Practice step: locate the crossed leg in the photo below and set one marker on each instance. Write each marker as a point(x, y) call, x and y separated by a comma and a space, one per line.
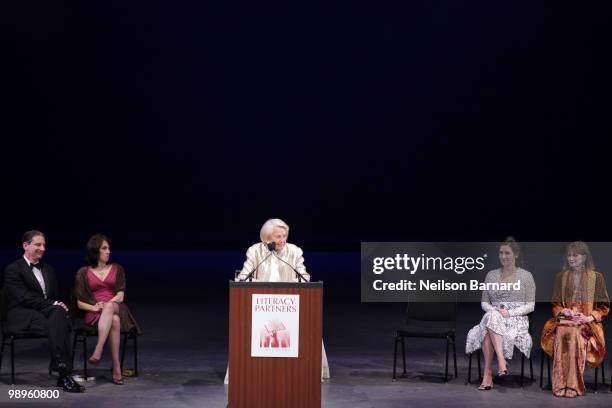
point(487, 351)
point(108, 328)
point(496, 342)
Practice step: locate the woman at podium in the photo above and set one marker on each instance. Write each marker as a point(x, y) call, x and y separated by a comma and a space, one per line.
point(275, 260)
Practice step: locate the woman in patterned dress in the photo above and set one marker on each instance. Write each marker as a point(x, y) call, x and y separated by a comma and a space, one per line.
point(574, 336)
point(505, 324)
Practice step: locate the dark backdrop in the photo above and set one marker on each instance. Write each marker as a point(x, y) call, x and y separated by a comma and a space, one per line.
point(186, 124)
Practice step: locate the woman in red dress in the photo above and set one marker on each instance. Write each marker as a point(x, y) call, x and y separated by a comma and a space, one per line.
point(100, 288)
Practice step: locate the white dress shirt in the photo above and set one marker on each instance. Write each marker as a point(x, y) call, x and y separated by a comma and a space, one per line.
point(274, 271)
point(38, 275)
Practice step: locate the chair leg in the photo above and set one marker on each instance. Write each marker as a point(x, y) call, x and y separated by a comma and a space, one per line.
point(404, 356)
point(541, 369)
point(135, 354)
point(123, 347)
point(396, 340)
point(603, 375)
point(548, 367)
point(531, 368)
point(446, 362)
point(74, 345)
point(469, 377)
point(596, 377)
point(479, 370)
point(12, 361)
point(2, 352)
point(455, 357)
point(522, 368)
point(85, 356)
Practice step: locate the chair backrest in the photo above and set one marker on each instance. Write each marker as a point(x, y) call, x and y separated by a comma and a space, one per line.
point(432, 305)
point(432, 312)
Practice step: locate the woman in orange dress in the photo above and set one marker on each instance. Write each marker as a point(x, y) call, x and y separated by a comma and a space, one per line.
point(574, 335)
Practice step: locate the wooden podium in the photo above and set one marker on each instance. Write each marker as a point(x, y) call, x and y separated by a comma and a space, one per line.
point(275, 382)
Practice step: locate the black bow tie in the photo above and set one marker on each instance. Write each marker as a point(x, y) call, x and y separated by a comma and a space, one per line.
point(38, 266)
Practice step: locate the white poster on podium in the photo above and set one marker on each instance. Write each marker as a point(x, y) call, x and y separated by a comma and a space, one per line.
point(275, 327)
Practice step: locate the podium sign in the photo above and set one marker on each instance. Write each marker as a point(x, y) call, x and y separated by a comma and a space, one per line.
point(275, 331)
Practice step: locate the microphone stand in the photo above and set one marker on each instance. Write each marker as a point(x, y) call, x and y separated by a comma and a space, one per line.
point(250, 275)
point(299, 275)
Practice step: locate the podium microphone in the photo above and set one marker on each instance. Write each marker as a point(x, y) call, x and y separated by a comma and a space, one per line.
point(271, 247)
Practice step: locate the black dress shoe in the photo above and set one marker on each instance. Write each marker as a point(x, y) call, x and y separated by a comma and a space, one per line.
point(76, 384)
point(69, 385)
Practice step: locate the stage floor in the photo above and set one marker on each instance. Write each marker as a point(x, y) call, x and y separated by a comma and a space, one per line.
point(183, 352)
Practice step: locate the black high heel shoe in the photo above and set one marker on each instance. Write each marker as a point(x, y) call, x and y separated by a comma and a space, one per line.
point(116, 381)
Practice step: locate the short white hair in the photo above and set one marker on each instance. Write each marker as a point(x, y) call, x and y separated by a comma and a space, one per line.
point(266, 229)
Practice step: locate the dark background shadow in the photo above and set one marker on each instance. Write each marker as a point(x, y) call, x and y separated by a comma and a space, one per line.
point(173, 126)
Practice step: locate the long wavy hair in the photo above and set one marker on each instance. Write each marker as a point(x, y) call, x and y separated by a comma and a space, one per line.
point(579, 247)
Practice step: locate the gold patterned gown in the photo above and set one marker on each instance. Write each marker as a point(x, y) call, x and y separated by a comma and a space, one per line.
point(572, 346)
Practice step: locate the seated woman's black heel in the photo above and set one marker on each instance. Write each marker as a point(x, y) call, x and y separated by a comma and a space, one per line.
point(116, 381)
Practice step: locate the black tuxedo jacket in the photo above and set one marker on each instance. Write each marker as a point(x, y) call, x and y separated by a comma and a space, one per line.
point(23, 296)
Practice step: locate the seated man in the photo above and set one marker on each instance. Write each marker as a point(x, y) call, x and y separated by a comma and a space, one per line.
point(31, 294)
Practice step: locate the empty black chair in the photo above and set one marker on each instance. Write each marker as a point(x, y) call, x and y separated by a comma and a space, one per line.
point(9, 337)
point(428, 320)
